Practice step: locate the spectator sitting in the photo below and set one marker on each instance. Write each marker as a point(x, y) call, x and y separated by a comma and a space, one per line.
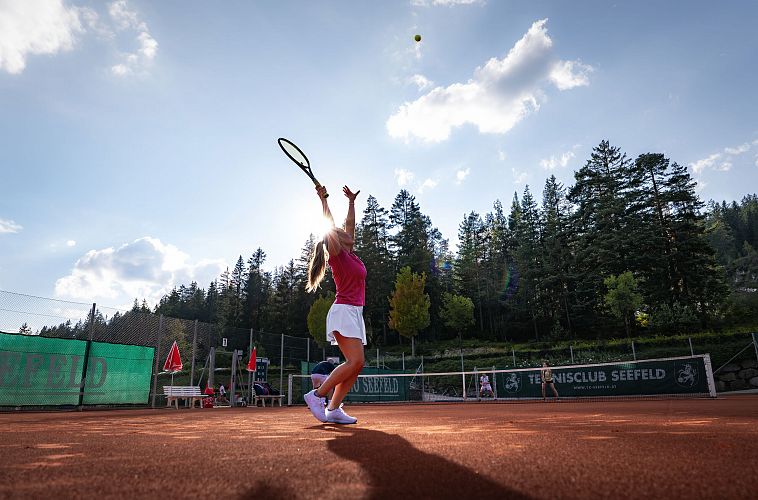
point(320, 373)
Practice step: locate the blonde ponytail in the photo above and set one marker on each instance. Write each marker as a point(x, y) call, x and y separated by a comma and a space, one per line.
point(317, 266)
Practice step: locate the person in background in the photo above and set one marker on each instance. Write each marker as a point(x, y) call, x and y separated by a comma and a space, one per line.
point(547, 378)
point(485, 387)
point(320, 373)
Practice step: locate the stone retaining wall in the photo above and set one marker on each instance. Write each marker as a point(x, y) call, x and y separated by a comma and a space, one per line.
point(738, 376)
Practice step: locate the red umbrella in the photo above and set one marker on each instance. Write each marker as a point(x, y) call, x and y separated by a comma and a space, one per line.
point(173, 361)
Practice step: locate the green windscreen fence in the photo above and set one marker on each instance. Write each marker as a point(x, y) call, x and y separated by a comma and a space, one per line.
point(118, 374)
point(40, 371)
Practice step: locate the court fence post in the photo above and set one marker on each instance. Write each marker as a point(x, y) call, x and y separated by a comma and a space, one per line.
point(494, 383)
point(403, 360)
point(692, 351)
point(157, 356)
point(476, 383)
point(281, 366)
point(513, 353)
point(755, 344)
point(571, 348)
point(377, 358)
point(85, 362)
point(308, 350)
point(194, 348)
point(634, 352)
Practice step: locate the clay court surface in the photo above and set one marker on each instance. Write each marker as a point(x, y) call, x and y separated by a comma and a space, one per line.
point(683, 448)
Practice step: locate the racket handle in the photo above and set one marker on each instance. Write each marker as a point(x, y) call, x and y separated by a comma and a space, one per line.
point(326, 195)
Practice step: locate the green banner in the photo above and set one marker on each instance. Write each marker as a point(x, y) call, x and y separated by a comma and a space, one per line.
point(41, 371)
point(368, 388)
point(640, 378)
point(118, 374)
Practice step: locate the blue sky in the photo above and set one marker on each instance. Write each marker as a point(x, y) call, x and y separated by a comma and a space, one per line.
point(138, 139)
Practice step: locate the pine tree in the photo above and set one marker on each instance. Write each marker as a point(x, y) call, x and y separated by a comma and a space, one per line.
point(372, 245)
point(556, 253)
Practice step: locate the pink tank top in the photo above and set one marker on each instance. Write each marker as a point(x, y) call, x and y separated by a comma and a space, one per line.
point(349, 278)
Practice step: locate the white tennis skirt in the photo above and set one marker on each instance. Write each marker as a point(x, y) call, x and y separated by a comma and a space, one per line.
point(347, 320)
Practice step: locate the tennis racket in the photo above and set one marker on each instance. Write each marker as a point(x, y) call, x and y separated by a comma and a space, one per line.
point(295, 154)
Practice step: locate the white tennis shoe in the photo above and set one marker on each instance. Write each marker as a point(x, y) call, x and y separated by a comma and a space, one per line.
point(338, 416)
point(316, 405)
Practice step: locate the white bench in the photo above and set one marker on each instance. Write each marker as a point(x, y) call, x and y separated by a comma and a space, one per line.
point(263, 399)
point(175, 393)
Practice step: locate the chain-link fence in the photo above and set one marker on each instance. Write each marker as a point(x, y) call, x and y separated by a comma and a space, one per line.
point(216, 355)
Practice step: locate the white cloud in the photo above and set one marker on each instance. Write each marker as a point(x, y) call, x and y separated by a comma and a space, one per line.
point(700, 185)
point(461, 175)
point(501, 155)
point(557, 161)
point(519, 177)
point(569, 74)
point(71, 243)
point(427, 184)
point(700, 165)
point(144, 268)
point(31, 27)
point(498, 96)
point(34, 27)
point(126, 19)
point(403, 177)
point(421, 82)
point(724, 167)
point(742, 148)
point(756, 160)
point(9, 226)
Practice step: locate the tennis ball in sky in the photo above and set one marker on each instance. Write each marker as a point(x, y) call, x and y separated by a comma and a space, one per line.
point(417, 38)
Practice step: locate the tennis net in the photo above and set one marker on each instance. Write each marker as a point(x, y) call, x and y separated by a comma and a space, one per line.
point(689, 376)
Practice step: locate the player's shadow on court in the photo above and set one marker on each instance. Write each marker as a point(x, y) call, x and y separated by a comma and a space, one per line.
point(396, 469)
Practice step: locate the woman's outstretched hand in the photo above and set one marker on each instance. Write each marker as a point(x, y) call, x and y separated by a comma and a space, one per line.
point(350, 195)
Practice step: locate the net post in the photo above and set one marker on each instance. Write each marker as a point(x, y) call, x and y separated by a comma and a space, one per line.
point(476, 385)
point(289, 389)
point(422, 377)
point(709, 375)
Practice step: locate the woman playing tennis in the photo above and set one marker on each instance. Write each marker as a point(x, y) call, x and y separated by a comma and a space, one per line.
point(344, 322)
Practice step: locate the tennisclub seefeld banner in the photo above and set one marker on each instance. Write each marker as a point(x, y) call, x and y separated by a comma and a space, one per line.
point(651, 377)
point(367, 388)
